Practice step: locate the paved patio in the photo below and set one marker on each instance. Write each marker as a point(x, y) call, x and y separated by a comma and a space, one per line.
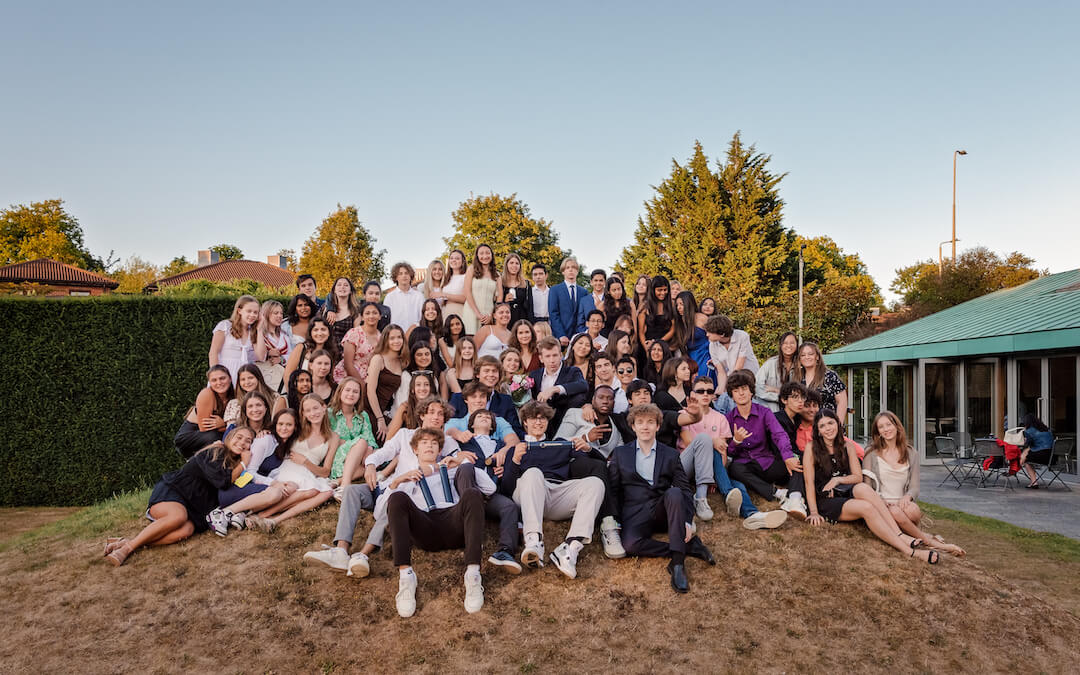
point(1045, 510)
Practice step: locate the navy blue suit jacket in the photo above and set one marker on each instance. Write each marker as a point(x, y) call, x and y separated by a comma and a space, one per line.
point(634, 498)
point(563, 311)
point(584, 306)
point(577, 392)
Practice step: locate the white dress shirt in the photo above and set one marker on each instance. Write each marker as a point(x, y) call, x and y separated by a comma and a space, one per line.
point(406, 308)
point(540, 302)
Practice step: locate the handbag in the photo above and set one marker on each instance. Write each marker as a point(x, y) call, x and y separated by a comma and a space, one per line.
point(1015, 436)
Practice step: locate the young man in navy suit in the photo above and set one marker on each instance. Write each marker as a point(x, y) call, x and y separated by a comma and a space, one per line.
point(560, 386)
point(652, 494)
point(591, 301)
point(563, 302)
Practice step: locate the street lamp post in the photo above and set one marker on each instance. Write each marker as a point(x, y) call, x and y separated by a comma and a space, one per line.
point(954, 155)
point(940, 263)
point(801, 249)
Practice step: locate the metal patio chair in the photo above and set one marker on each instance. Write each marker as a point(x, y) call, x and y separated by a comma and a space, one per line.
point(951, 460)
point(1058, 462)
point(988, 448)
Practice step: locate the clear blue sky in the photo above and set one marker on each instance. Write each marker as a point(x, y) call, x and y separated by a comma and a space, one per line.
point(170, 129)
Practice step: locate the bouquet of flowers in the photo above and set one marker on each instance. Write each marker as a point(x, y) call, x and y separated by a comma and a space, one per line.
point(520, 389)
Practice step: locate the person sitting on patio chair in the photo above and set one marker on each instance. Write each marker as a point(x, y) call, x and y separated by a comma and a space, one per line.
point(1038, 448)
point(892, 468)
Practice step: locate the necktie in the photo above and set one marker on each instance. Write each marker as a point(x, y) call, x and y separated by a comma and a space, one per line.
point(573, 295)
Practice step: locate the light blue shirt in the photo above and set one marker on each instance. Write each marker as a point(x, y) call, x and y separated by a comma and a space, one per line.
point(502, 427)
point(645, 464)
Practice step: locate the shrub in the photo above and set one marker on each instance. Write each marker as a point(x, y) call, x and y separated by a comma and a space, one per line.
point(94, 390)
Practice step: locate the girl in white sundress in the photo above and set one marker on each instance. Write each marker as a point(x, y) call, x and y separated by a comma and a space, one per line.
point(232, 343)
point(307, 465)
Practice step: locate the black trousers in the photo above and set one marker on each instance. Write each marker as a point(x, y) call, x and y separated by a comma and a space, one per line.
point(189, 439)
point(497, 507)
point(757, 479)
point(668, 512)
point(461, 525)
point(584, 464)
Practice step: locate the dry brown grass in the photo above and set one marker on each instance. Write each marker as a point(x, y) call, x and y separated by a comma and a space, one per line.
point(792, 600)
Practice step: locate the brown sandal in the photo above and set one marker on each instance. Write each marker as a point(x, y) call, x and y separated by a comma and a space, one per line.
point(952, 549)
point(113, 543)
point(118, 555)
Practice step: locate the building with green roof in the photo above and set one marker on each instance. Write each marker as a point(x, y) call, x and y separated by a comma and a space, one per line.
point(972, 370)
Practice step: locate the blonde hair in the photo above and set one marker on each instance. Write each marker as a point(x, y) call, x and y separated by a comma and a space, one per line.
point(458, 360)
point(429, 284)
point(541, 329)
point(264, 317)
point(238, 328)
point(566, 261)
point(305, 425)
point(819, 369)
point(878, 443)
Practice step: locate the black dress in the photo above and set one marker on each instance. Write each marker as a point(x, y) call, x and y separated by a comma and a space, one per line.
point(195, 485)
point(829, 507)
point(657, 325)
point(517, 304)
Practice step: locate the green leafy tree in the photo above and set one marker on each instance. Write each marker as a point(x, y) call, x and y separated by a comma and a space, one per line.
point(976, 272)
point(719, 232)
point(227, 252)
point(342, 247)
point(177, 265)
point(135, 274)
point(507, 225)
point(44, 230)
point(204, 288)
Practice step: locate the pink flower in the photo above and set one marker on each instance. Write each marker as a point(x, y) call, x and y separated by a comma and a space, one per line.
point(514, 386)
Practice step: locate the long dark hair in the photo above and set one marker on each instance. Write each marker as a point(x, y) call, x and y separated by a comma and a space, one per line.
point(571, 358)
point(450, 338)
point(612, 307)
point(685, 322)
point(649, 372)
point(253, 370)
point(244, 421)
point(435, 326)
point(1032, 420)
point(613, 344)
point(435, 366)
point(478, 267)
point(654, 307)
point(309, 342)
point(220, 402)
point(786, 374)
point(823, 459)
point(294, 397)
point(284, 445)
point(293, 315)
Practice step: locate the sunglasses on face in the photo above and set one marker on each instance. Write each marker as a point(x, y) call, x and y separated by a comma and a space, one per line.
point(704, 391)
point(624, 371)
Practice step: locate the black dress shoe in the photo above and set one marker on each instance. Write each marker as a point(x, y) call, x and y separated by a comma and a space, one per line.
point(697, 549)
point(678, 577)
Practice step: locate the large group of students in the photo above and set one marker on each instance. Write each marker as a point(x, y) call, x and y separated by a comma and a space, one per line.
point(483, 395)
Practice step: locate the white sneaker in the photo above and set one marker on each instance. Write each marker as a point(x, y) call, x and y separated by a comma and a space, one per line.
point(331, 556)
point(358, 566)
point(780, 495)
point(236, 520)
point(564, 560)
point(701, 506)
point(733, 501)
point(609, 537)
point(218, 522)
point(533, 554)
point(794, 507)
point(339, 492)
point(765, 520)
point(406, 596)
point(474, 593)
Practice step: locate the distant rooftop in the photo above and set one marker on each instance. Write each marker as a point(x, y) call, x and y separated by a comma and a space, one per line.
point(49, 271)
point(231, 270)
point(1042, 314)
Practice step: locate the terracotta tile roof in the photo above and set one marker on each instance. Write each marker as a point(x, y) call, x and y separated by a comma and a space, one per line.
point(48, 271)
point(230, 270)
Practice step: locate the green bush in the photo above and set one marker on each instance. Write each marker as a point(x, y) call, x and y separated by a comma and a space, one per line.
point(94, 389)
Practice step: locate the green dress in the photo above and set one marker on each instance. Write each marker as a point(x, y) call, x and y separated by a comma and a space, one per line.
point(361, 428)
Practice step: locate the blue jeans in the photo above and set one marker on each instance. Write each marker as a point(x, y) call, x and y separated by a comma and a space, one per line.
point(725, 485)
point(723, 403)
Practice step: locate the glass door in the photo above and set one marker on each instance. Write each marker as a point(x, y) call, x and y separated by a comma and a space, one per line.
point(900, 395)
point(1029, 390)
point(942, 399)
point(1061, 411)
point(979, 376)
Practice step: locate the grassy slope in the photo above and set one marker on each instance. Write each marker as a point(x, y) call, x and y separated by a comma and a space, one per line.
point(795, 599)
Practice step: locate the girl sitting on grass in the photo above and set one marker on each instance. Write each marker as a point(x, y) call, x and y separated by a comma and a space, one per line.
point(308, 465)
point(835, 491)
point(895, 467)
point(205, 421)
point(352, 425)
point(182, 499)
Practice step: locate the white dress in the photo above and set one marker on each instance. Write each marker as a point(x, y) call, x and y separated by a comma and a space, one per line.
point(234, 352)
point(291, 472)
point(455, 286)
point(491, 346)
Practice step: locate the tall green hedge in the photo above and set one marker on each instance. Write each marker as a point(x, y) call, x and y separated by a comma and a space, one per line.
point(92, 391)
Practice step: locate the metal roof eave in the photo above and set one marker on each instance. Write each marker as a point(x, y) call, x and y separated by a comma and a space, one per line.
point(988, 346)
